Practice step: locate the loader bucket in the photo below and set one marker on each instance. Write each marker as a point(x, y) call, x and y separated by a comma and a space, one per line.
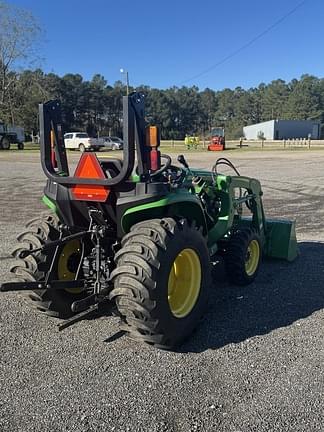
point(281, 239)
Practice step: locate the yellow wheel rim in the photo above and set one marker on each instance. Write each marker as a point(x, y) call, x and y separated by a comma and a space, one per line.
point(68, 262)
point(184, 283)
point(252, 257)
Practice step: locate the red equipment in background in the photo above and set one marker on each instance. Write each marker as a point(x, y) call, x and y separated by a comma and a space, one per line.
point(217, 139)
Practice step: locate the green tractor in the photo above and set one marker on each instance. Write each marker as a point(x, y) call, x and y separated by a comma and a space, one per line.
point(139, 234)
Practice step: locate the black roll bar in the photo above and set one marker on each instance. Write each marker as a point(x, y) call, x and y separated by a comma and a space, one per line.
point(50, 121)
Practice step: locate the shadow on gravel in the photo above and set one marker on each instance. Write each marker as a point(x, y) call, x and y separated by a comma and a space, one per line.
point(282, 294)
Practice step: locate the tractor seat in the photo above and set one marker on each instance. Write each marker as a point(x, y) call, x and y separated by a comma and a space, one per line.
point(111, 167)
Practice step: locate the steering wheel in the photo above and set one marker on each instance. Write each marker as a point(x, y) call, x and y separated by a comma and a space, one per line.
point(164, 167)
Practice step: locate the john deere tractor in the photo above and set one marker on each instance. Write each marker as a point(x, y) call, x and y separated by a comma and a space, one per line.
point(140, 234)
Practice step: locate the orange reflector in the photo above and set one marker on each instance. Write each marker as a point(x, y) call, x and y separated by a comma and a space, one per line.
point(152, 136)
point(89, 167)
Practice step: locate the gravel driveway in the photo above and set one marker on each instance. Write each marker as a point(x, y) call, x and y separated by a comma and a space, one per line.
point(256, 362)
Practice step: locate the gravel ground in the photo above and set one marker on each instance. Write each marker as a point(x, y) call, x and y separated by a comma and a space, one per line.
point(254, 364)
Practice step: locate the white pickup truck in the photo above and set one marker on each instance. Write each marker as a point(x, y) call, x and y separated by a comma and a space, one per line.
point(81, 141)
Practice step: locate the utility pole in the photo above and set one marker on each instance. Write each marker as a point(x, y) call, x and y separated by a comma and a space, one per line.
point(127, 80)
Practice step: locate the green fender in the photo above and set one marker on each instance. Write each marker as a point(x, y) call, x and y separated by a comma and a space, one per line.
point(177, 204)
point(49, 203)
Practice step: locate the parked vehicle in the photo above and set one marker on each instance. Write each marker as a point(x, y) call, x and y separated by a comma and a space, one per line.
point(81, 141)
point(113, 143)
point(10, 134)
point(217, 139)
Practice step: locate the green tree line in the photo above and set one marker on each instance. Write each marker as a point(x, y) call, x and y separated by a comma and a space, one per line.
point(96, 106)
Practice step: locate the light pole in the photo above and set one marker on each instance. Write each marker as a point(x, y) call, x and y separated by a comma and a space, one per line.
point(124, 72)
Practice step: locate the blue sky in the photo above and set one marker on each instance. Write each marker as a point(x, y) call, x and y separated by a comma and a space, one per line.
point(165, 43)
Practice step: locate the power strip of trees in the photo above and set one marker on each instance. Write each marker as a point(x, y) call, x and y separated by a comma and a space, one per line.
point(96, 107)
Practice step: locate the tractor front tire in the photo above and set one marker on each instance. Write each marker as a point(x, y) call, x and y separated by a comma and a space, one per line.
point(243, 256)
point(56, 303)
point(5, 143)
point(161, 281)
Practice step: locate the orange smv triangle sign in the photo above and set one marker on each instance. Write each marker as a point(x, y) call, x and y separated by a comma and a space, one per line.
point(89, 167)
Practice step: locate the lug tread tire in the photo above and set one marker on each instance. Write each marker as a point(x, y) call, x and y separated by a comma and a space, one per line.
point(235, 256)
point(34, 267)
point(136, 281)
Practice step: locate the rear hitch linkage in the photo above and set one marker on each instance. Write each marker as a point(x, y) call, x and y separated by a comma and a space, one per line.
point(87, 305)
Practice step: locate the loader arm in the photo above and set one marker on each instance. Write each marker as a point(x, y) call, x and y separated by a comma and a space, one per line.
point(226, 186)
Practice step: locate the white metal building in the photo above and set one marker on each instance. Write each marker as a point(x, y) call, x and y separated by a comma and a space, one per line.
point(283, 129)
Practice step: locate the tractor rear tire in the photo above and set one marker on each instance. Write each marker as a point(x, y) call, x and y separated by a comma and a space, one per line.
point(33, 268)
point(243, 256)
point(161, 281)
